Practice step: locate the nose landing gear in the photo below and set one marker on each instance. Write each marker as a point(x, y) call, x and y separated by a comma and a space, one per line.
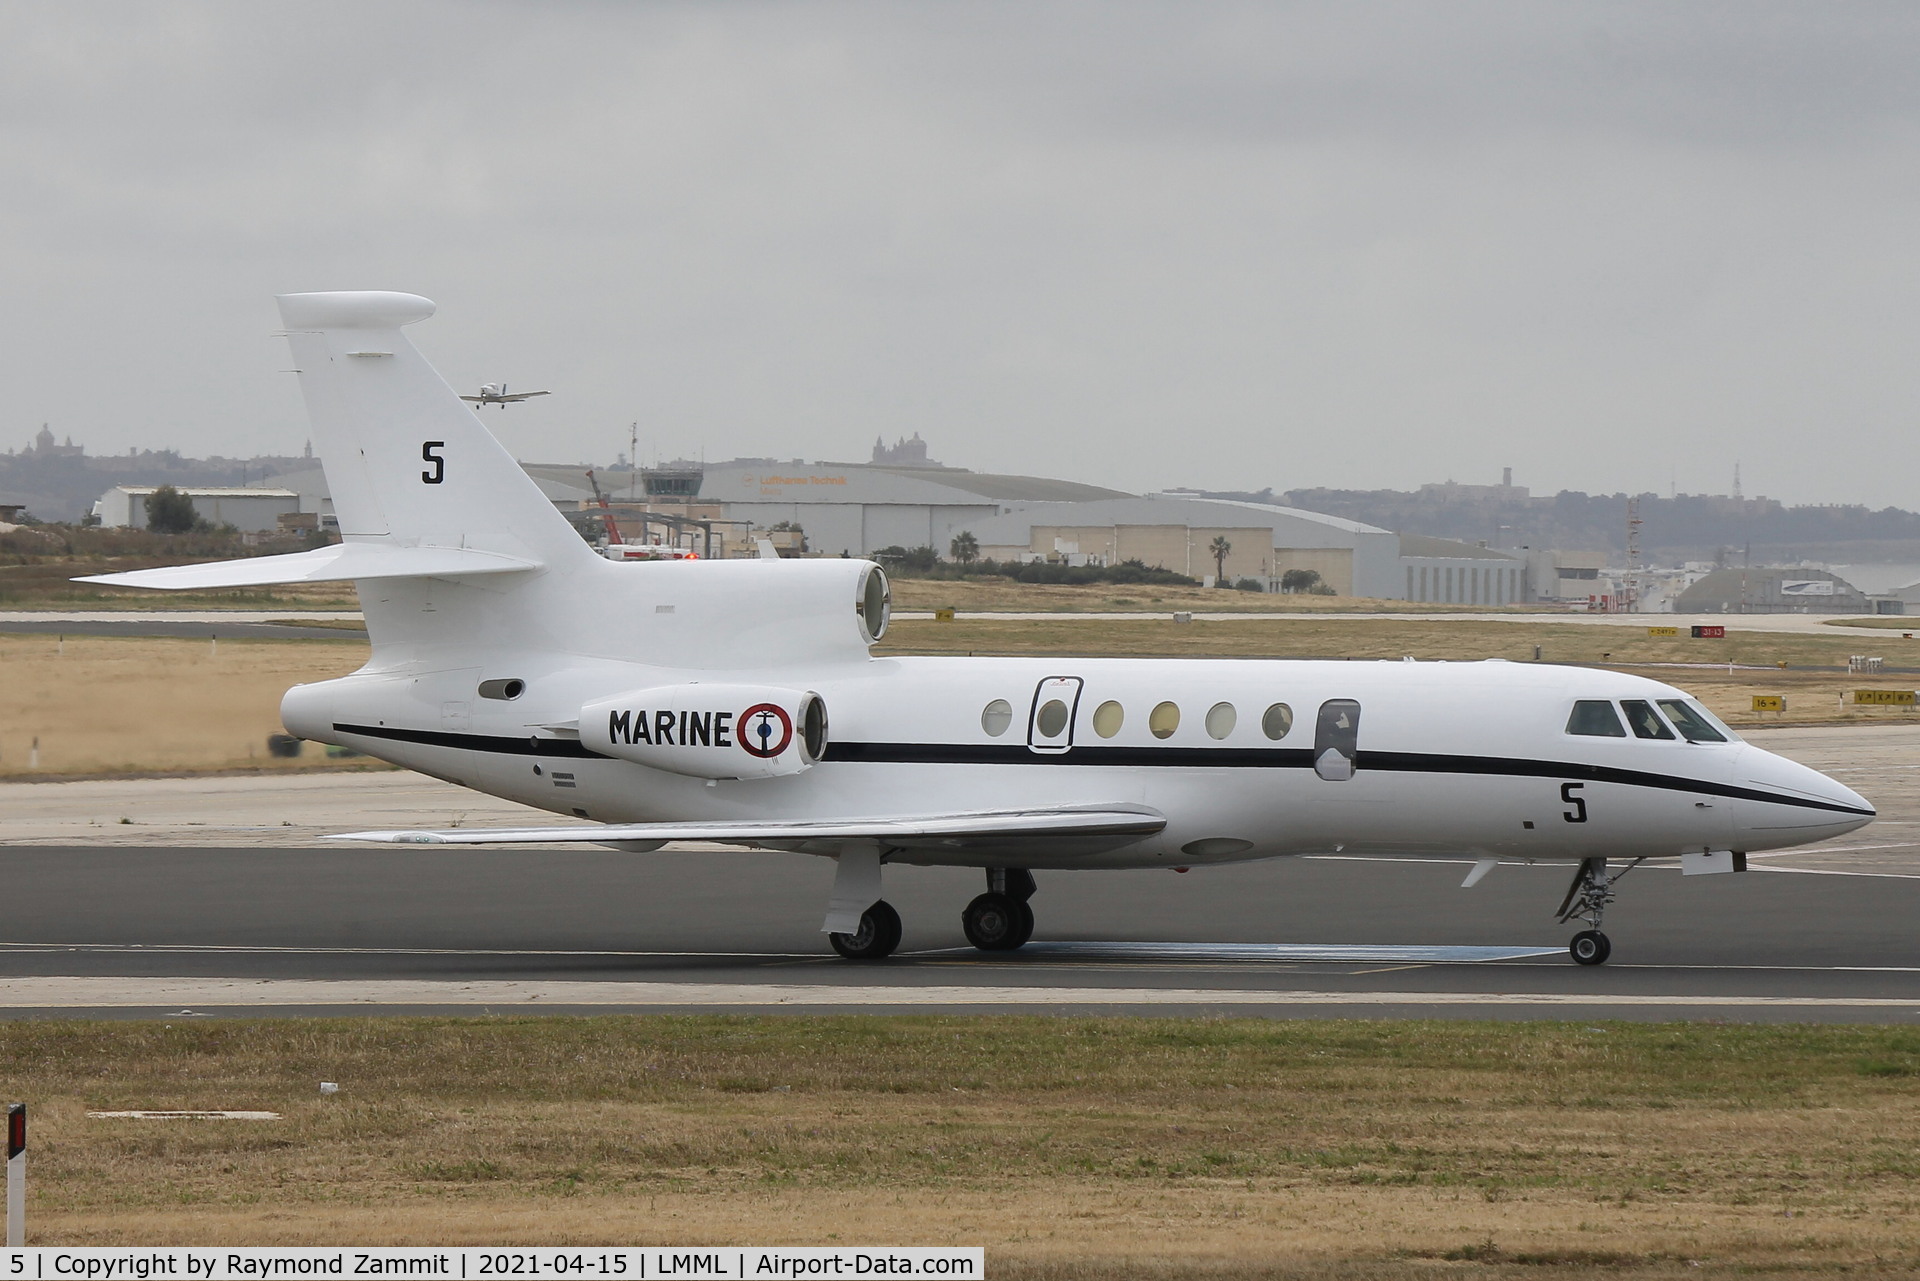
point(1587, 900)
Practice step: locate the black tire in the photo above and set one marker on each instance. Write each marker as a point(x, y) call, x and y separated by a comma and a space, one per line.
point(1026, 926)
point(1590, 947)
point(997, 923)
point(877, 937)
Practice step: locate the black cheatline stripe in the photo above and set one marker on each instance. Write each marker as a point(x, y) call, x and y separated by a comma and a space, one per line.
point(1301, 758)
point(1187, 757)
point(571, 748)
point(1020, 754)
point(1420, 763)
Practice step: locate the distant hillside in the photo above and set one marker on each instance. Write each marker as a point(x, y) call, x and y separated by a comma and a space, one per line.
point(1698, 527)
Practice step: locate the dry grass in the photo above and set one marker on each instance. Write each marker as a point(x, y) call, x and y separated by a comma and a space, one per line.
point(1892, 624)
point(1069, 1147)
point(101, 704)
point(1815, 682)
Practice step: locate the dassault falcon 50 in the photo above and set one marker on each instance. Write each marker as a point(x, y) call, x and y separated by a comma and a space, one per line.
point(739, 701)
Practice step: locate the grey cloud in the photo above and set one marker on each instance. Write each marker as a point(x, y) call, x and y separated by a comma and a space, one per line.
point(1140, 244)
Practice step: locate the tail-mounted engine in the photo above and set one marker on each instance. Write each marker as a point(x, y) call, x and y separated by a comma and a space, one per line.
point(710, 731)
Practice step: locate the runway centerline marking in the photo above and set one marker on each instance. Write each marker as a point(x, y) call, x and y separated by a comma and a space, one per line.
point(252, 949)
point(1340, 953)
point(1834, 871)
point(1070, 951)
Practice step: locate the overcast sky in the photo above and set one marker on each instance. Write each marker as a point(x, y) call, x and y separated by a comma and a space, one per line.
point(1613, 246)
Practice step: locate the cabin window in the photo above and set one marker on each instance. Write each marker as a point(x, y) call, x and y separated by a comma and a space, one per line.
point(1645, 721)
point(1278, 720)
point(1220, 719)
point(1164, 719)
point(1595, 718)
point(996, 717)
point(1052, 718)
point(1107, 719)
point(1691, 721)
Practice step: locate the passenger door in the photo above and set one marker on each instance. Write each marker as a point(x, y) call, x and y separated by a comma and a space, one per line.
point(1336, 739)
point(1056, 704)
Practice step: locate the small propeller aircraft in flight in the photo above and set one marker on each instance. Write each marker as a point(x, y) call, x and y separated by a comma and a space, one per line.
point(689, 700)
point(497, 394)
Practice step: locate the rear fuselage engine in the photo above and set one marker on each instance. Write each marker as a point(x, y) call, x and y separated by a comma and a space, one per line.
point(710, 730)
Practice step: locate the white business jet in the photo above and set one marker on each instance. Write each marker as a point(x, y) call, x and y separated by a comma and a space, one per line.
point(738, 701)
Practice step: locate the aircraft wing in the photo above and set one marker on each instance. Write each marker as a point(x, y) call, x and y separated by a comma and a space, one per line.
point(1080, 830)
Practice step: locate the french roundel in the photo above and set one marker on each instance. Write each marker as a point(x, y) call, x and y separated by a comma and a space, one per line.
point(764, 730)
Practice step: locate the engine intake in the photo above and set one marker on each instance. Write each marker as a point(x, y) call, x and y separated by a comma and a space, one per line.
point(711, 731)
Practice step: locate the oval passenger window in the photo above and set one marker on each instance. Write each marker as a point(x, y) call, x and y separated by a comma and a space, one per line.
point(996, 717)
point(1220, 719)
point(1277, 721)
point(1164, 719)
point(1108, 718)
point(1052, 721)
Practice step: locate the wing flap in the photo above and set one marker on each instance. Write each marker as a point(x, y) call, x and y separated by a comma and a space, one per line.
point(343, 562)
point(1094, 828)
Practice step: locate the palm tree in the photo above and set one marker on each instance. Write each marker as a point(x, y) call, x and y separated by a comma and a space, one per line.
point(965, 548)
point(1220, 547)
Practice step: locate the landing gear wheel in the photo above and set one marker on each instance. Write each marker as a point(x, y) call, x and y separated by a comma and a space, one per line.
point(1590, 947)
point(997, 922)
point(878, 935)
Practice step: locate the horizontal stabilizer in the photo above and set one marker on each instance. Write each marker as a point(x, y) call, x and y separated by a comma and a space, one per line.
point(1085, 830)
point(343, 562)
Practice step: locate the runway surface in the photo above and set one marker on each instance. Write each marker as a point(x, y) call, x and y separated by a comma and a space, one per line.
point(166, 931)
point(187, 911)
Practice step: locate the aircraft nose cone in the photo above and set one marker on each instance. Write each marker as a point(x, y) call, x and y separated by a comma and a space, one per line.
point(1783, 803)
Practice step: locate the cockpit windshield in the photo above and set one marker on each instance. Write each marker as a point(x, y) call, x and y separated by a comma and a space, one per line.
point(1595, 718)
point(1695, 721)
point(1645, 721)
point(1601, 718)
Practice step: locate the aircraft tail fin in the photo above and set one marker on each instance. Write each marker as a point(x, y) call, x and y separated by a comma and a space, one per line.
point(408, 464)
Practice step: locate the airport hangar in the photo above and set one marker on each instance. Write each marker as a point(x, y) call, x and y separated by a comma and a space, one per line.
point(862, 508)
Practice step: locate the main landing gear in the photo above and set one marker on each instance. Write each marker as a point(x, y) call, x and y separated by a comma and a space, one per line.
point(1000, 920)
point(1587, 900)
point(878, 935)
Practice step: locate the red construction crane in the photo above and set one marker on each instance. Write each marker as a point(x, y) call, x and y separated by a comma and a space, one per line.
point(606, 512)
